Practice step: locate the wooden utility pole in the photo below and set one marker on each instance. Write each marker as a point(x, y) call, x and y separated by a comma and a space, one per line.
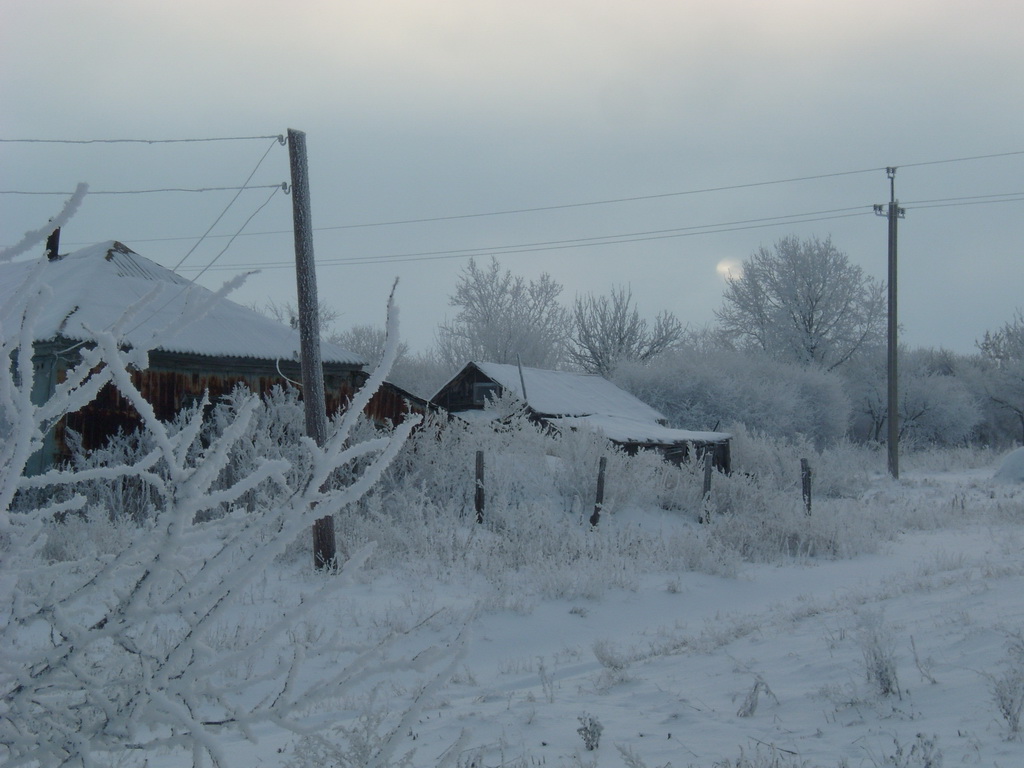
point(893, 212)
point(314, 402)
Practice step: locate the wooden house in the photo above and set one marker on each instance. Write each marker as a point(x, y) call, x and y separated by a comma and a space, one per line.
point(565, 400)
point(225, 346)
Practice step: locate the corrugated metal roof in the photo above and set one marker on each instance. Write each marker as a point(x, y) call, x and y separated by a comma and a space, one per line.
point(94, 286)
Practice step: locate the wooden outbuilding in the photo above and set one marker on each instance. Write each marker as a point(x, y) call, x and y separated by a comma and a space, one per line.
point(565, 400)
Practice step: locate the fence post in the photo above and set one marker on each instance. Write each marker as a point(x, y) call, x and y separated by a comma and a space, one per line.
point(805, 483)
point(705, 497)
point(479, 499)
point(599, 502)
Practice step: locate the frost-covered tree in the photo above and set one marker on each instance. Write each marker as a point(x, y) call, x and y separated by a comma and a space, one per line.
point(705, 389)
point(502, 316)
point(420, 373)
point(608, 330)
point(803, 301)
point(367, 341)
point(110, 653)
point(936, 403)
point(1002, 358)
point(1007, 343)
point(287, 313)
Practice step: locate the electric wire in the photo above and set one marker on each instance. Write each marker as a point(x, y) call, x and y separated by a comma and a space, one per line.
point(576, 242)
point(278, 137)
point(228, 206)
point(237, 233)
point(915, 204)
point(141, 191)
point(960, 159)
point(561, 206)
point(642, 236)
point(637, 198)
point(560, 244)
point(202, 271)
point(990, 197)
point(964, 203)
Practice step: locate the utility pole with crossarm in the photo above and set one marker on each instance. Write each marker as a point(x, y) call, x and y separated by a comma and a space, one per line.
point(893, 212)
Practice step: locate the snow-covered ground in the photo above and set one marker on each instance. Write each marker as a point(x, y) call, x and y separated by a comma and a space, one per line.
point(893, 658)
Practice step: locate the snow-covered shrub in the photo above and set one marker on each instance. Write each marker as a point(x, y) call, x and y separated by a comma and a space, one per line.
point(923, 753)
point(590, 731)
point(119, 646)
point(708, 389)
point(763, 525)
point(936, 405)
point(878, 645)
point(1008, 687)
point(535, 538)
point(840, 470)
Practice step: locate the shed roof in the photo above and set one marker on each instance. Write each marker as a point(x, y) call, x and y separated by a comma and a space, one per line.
point(563, 393)
point(583, 400)
point(93, 286)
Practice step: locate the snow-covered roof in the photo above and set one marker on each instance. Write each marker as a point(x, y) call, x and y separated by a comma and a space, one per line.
point(92, 288)
point(583, 400)
point(563, 393)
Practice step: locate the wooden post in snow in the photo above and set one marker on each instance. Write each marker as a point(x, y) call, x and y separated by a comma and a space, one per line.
point(314, 402)
point(599, 501)
point(805, 483)
point(705, 497)
point(478, 499)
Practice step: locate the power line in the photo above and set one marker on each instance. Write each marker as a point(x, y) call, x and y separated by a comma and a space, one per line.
point(632, 237)
point(990, 197)
point(637, 198)
point(611, 201)
point(279, 137)
point(523, 210)
point(146, 191)
point(213, 261)
point(237, 233)
point(920, 204)
point(583, 242)
point(960, 159)
point(965, 203)
point(228, 206)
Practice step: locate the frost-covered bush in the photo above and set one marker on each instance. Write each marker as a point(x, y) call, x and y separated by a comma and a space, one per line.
point(1008, 687)
point(525, 464)
point(937, 404)
point(840, 470)
point(274, 430)
point(878, 644)
point(705, 389)
point(134, 637)
point(540, 491)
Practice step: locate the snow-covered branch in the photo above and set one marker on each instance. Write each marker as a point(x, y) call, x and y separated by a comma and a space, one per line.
point(137, 647)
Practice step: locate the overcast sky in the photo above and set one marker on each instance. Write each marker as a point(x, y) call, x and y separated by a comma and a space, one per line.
point(441, 109)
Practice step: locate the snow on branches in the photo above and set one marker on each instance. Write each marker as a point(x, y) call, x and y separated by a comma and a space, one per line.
point(138, 647)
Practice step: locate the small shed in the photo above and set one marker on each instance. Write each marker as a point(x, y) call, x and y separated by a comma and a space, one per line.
point(228, 345)
point(566, 400)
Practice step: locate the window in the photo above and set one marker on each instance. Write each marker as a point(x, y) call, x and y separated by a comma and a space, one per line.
point(482, 390)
